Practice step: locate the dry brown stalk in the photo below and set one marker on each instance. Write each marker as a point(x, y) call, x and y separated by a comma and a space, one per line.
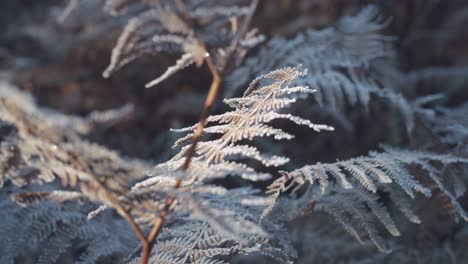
point(217, 76)
point(209, 101)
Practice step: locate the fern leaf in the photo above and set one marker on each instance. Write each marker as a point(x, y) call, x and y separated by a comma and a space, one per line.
point(252, 112)
point(161, 27)
point(185, 61)
point(339, 58)
point(25, 199)
point(352, 198)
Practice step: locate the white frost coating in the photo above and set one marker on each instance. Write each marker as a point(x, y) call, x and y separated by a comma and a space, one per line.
point(185, 61)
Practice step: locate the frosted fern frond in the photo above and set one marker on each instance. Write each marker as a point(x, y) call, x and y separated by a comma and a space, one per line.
point(34, 149)
point(263, 99)
point(232, 213)
point(451, 126)
point(38, 146)
point(351, 45)
point(274, 191)
point(216, 158)
point(163, 26)
point(322, 242)
point(338, 58)
point(348, 190)
point(29, 198)
point(359, 213)
point(185, 61)
point(136, 38)
point(193, 241)
point(50, 232)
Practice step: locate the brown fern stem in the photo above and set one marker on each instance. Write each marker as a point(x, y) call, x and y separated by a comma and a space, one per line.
point(114, 201)
point(209, 101)
point(216, 82)
point(146, 246)
point(128, 217)
point(131, 221)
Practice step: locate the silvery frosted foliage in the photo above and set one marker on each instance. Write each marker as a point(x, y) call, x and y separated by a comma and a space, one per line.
point(228, 218)
point(193, 241)
point(209, 224)
point(167, 26)
point(232, 213)
point(351, 45)
point(440, 82)
point(39, 145)
point(51, 150)
point(338, 58)
point(55, 233)
point(451, 125)
point(36, 146)
point(205, 218)
point(262, 103)
point(229, 211)
point(348, 190)
point(321, 241)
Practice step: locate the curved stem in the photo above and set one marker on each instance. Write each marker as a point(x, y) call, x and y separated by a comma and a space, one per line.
point(209, 102)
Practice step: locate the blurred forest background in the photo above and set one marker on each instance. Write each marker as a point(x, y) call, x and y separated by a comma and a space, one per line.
point(61, 64)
